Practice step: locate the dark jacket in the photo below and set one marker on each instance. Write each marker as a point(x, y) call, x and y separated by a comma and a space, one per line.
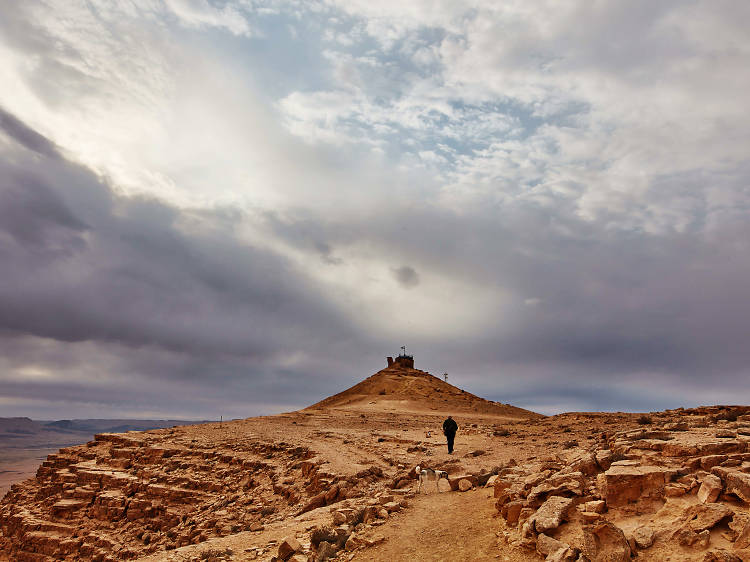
point(450, 426)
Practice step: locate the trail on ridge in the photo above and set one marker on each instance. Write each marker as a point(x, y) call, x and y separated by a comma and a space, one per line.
point(448, 527)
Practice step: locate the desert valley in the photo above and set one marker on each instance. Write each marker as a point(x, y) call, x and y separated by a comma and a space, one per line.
point(336, 481)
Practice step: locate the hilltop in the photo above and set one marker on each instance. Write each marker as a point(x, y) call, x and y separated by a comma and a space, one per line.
point(402, 388)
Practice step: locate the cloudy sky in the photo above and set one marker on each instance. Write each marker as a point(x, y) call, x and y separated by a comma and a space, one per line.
point(235, 208)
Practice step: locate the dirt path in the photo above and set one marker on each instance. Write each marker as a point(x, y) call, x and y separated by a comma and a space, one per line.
point(449, 527)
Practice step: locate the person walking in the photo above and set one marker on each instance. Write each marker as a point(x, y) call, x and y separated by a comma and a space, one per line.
point(450, 427)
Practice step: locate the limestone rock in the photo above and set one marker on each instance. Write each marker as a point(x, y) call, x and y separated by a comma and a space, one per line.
point(736, 482)
point(710, 489)
point(643, 537)
point(511, 511)
point(626, 484)
point(500, 486)
point(595, 506)
point(547, 545)
point(566, 554)
point(353, 542)
point(702, 517)
point(456, 480)
point(551, 514)
point(558, 485)
point(604, 458)
point(590, 517)
point(443, 485)
point(288, 547)
point(605, 542)
point(464, 485)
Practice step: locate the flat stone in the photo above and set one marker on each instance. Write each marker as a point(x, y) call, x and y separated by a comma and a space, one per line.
point(288, 547)
point(551, 514)
point(624, 484)
point(464, 485)
point(547, 545)
point(710, 489)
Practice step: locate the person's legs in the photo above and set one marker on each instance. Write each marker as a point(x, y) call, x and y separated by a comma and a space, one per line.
point(450, 437)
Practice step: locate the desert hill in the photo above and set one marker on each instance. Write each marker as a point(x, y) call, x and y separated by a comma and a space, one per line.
point(337, 481)
point(402, 388)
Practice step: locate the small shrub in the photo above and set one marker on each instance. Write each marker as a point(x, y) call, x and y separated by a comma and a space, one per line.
point(645, 420)
point(501, 432)
point(215, 554)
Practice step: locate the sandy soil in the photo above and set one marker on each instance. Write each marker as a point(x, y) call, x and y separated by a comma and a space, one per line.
point(453, 527)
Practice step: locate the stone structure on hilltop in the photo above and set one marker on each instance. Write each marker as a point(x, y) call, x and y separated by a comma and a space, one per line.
point(405, 361)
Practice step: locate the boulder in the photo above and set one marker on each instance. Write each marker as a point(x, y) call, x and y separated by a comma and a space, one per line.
point(288, 547)
point(585, 463)
point(570, 484)
point(735, 482)
point(643, 537)
point(443, 485)
point(550, 515)
point(511, 511)
point(500, 486)
point(464, 485)
point(623, 484)
point(547, 545)
point(353, 542)
point(604, 458)
point(702, 517)
point(590, 516)
point(392, 506)
point(566, 554)
point(604, 542)
point(595, 506)
point(710, 489)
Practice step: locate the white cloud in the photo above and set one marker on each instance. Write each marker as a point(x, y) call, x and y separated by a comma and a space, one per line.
point(200, 13)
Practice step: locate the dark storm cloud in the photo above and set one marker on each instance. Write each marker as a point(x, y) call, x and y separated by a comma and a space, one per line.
point(169, 294)
point(589, 306)
point(122, 297)
point(406, 276)
point(26, 136)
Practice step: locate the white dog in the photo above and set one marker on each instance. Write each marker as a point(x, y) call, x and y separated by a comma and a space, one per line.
point(426, 474)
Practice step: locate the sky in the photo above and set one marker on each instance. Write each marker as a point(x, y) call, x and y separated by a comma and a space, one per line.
point(213, 208)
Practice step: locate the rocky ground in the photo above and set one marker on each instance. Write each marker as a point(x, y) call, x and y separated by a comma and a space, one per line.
point(337, 482)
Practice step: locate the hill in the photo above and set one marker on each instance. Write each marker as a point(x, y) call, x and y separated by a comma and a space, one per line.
point(402, 388)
